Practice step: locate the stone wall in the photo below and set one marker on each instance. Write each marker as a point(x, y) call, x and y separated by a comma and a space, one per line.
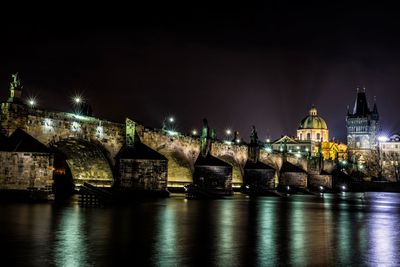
point(143, 174)
point(213, 177)
point(181, 152)
point(235, 155)
point(316, 180)
point(259, 179)
point(297, 179)
point(49, 127)
point(26, 170)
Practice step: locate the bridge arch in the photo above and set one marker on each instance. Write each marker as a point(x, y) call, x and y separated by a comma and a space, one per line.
point(82, 161)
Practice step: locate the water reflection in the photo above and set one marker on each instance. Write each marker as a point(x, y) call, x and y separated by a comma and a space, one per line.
point(166, 241)
point(383, 236)
point(266, 227)
point(71, 248)
point(264, 231)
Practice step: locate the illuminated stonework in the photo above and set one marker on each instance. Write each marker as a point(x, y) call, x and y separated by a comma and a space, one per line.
point(75, 127)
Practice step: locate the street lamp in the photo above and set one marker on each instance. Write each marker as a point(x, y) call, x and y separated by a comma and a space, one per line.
point(228, 133)
point(32, 102)
point(168, 128)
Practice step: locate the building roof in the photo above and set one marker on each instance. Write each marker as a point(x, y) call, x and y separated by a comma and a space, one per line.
point(257, 165)
point(313, 121)
point(20, 141)
point(285, 139)
point(361, 107)
point(139, 151)
point(289, 167)
point(210, 160)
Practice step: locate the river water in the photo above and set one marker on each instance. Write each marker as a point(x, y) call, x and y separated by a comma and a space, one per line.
point(353, 230)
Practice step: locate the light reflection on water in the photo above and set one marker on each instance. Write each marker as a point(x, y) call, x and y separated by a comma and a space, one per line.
point(70, 242)
point(298, 231)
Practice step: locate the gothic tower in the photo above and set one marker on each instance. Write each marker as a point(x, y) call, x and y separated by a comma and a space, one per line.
point(362, 127)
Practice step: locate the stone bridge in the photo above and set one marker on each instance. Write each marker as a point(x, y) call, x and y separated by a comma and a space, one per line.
point(90, 144)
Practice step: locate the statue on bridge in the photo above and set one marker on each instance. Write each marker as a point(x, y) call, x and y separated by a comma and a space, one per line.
point(205, 139)
point(16, 82)
point(253, 135)
point(253, 148)
point(15, 89)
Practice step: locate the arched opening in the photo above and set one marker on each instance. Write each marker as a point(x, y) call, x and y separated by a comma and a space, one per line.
point(78, 161)
point(63, 186)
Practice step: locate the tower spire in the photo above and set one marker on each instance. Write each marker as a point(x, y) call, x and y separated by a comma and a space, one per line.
point(375, 109)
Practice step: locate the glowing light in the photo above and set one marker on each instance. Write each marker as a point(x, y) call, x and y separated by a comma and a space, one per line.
point(298, 155)
point(228, 131)
point(171, 119)
point(227, 142)
point(287, 188)
point(77, 100)
point(297, 147)
point(383, 138)
point(238, 141)
point(321, 188)
point(307, 149)
point(268, 149)
point(32, 102)
point(75, 127)
point(80, 117)
point(194, 132)
point(290, 151)
point(344, 187)
point(268, 140)
point(48, 123)
point(99, 132)
point(172, 133)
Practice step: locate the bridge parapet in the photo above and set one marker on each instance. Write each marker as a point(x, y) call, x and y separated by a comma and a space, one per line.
point(52, 126)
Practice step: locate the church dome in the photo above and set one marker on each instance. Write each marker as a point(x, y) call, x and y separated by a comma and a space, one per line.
point(313, 121)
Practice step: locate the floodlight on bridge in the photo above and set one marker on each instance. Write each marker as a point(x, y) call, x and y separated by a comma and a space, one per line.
point(32, 102)
point(383, 138)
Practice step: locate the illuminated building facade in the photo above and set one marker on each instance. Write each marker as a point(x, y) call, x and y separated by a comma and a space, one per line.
point(389, 153)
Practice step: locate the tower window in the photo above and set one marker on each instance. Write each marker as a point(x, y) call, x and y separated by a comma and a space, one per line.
point(308, 136)
point(318, 136)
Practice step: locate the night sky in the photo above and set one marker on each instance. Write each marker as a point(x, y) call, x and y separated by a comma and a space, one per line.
point(236, 65)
